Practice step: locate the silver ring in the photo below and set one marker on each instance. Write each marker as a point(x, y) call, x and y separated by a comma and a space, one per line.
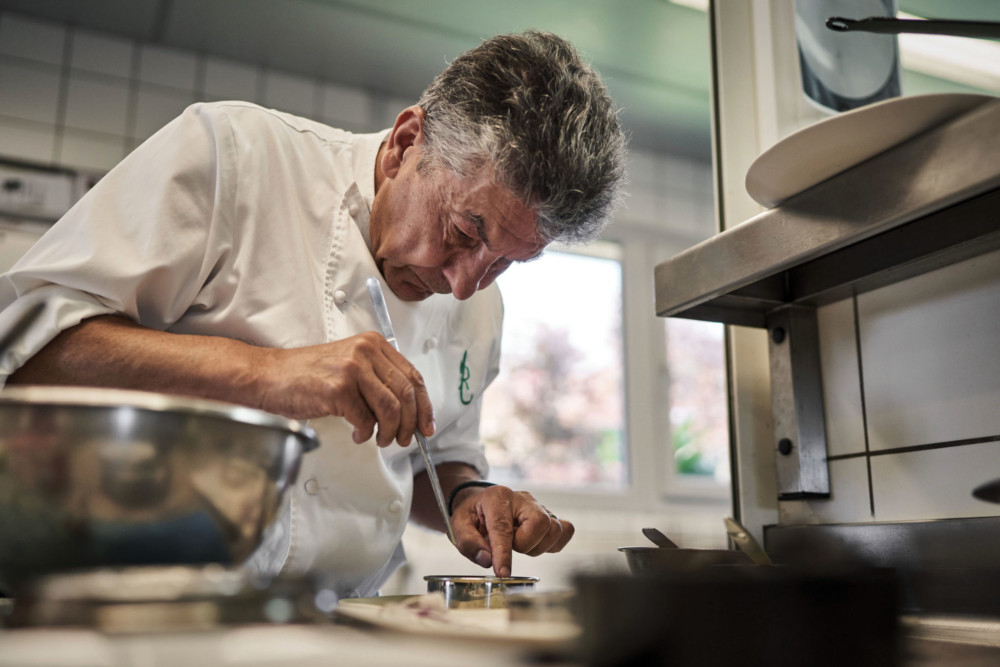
point(549, 512)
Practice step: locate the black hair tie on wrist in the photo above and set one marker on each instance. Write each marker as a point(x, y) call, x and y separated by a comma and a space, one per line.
point(465, 485)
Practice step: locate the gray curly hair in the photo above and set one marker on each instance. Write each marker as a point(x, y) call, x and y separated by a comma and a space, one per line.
point(527, 106)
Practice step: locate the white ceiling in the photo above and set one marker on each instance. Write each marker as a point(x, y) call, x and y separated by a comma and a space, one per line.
point(652, 53)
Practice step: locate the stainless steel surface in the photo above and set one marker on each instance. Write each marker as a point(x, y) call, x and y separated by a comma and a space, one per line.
point(655, 560)
point(92, 478)
point(658, 538)
point(775, 258)
point(970, 543)
point(797, 404)
point(382, 313)
point(746, 542)
point(478, 592)
point(945, 566)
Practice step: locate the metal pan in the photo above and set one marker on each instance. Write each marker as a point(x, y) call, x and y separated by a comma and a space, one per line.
point(653, 560)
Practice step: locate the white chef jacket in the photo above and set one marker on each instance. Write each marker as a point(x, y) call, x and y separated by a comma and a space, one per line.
point(238, 221)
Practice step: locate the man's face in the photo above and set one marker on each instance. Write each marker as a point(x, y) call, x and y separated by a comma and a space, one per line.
point(433, 232)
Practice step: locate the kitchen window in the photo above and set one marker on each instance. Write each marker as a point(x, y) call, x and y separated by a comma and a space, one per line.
point(580, 336)
point(699, 418)
point(556, 413)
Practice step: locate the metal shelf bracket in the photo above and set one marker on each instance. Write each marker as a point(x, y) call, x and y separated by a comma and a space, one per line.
point(797, 404)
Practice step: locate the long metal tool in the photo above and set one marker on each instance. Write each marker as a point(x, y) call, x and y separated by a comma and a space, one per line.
point(746, 542)
point(382, 314)
point(894, 26)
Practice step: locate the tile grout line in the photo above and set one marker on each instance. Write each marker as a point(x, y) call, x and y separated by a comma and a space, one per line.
point(864, 406)
point(62, 101)
point(132, 112)
point(918, 448)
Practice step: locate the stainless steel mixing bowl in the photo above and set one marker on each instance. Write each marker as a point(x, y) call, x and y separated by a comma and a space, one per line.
point(103, 477)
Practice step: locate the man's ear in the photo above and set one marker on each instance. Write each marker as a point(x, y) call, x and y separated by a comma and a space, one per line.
point(406, 133)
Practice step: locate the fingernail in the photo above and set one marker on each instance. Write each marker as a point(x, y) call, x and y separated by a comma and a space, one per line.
point(483, 558)
point(433, 427)
point(357, 437)
point(504, 571)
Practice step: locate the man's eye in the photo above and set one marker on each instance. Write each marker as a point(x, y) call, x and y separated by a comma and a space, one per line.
point(464, 237)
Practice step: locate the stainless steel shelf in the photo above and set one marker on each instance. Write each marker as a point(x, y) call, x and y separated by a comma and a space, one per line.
point(929, 202)
point(926, 203)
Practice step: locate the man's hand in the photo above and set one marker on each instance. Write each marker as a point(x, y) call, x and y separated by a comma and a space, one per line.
point(490, 523)
point(362, 379)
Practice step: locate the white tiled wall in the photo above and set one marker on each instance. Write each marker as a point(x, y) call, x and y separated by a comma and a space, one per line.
point(931, 402)
point(83, 100)
point(845, 430)
point(930, 352)
point(850, 501)
point(934, 484)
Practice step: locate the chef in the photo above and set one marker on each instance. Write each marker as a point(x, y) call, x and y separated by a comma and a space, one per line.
point(226, 258)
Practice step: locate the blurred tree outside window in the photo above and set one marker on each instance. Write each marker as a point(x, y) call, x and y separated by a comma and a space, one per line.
point(698, 407)
point(556, 413)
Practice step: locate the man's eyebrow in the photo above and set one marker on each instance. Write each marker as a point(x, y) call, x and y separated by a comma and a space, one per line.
point(480, 226)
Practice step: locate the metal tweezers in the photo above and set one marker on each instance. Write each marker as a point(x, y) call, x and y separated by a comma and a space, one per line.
point(382, 314)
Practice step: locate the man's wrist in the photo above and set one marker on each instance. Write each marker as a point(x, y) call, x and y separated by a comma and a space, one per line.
point(461, 487)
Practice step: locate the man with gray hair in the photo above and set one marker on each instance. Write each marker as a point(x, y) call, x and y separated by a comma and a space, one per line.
point(226, 258)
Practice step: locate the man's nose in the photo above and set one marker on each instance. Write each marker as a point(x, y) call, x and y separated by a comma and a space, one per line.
point(466, 270)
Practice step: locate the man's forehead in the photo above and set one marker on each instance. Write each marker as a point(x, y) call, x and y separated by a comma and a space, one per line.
point(505, 224)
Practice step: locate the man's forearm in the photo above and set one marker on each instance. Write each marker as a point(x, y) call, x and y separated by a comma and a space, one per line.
point(425, 509)
point(111, 351)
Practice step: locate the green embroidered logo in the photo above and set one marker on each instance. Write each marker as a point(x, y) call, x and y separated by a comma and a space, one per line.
point(463, 383)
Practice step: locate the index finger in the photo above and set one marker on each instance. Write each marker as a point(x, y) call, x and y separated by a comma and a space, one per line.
point(498, 519)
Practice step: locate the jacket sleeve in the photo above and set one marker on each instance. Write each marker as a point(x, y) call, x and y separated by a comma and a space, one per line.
point(141, 243)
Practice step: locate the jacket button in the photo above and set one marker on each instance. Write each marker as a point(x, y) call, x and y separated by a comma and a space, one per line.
point(312, 486)
point(430, 344)
point(340, 297)
point(395, 506)
point(353, 209)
